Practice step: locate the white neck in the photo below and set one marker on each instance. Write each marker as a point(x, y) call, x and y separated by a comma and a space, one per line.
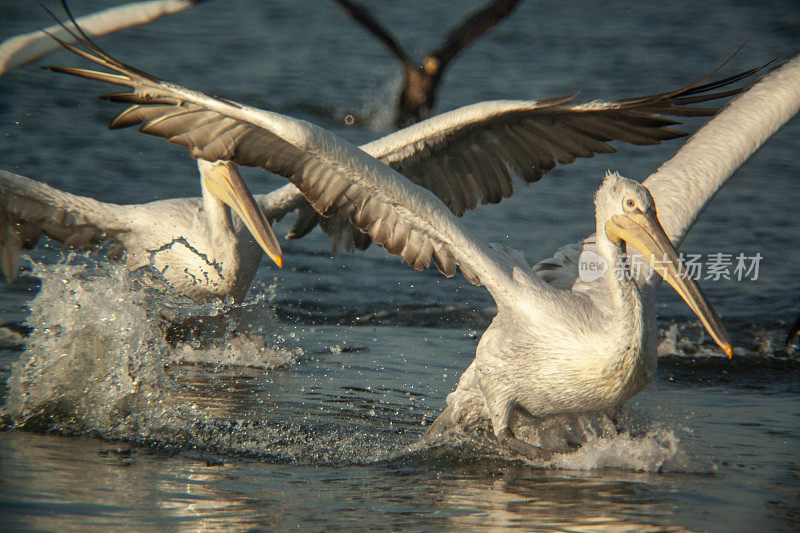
point(628, 350)
point(217, 216)
point(223, 241)
point(625, 295)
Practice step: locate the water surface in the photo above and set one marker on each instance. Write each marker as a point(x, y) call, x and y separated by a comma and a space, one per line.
point(311, 414)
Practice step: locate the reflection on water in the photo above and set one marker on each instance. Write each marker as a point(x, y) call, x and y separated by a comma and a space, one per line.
point(106, 484)
point(616, 501)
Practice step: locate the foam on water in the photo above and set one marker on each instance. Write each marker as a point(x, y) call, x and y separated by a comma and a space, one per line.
point(627, 441)
point(657, 450)
point(239, 350)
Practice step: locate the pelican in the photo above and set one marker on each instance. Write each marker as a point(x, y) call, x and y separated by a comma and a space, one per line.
point(421, 80)
point(464, 156)
point(680, 191)
point(553, 348)
point(489, 141)
point(193, 242)
point(23, 49)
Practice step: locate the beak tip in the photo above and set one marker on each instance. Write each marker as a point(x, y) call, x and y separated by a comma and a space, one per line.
point(279, 261)
point(728, 349)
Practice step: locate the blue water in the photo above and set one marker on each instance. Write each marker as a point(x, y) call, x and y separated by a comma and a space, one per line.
point(313, 417)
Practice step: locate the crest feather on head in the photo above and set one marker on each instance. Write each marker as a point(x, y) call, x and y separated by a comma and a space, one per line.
point(615, 188)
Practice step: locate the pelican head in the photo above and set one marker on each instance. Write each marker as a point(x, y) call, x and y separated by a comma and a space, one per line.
point(431, 65)
point(626, 214)
point(222, 181)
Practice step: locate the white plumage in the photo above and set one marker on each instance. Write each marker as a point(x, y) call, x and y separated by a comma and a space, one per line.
point(549, 350)
point(22, 49)
point(199, 248)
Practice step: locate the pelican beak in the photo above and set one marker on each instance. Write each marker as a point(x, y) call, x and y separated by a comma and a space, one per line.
point(644, 232)
point(222, 180)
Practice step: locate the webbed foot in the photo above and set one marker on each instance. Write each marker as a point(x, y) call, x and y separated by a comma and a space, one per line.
point(521, 447)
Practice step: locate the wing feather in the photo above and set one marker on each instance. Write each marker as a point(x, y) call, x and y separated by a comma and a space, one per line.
point(342, 181)
point(529, 138)
point(23, 49)
point(29, 209)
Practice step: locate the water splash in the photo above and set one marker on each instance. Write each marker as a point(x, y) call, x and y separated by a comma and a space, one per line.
point(657, 450)
point(378, 108)
point(91, 348)
point(687, 338)
point(628, 440)
point(239, 350)
point(98, 361)
point(98, 347)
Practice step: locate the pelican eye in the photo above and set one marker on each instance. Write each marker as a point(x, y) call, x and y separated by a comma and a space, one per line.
point(630, 203)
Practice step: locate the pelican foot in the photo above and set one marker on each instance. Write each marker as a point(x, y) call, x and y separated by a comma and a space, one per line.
point(520, 447)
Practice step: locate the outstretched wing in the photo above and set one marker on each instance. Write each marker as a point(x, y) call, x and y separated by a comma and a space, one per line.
point(23, 49)
point(29, 209)
point(339, 179)
point(684, 185)
point(472, 153)
point(361, 15)
point(478, 23)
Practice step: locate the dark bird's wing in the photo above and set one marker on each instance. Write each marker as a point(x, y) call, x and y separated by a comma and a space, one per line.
point(472, 28)
point(361, 15)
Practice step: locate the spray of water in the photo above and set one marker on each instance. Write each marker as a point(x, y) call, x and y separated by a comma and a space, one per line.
point(95, 358)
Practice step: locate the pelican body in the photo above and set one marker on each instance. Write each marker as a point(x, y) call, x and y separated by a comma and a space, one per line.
point(589, 348)
point(195, 243)
point(558, 344)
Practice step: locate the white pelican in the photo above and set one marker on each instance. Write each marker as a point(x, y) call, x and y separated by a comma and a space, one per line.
point(489, 142)
point(23, 49)
point(549, 350)
point(197, 246)
point(421, 80)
